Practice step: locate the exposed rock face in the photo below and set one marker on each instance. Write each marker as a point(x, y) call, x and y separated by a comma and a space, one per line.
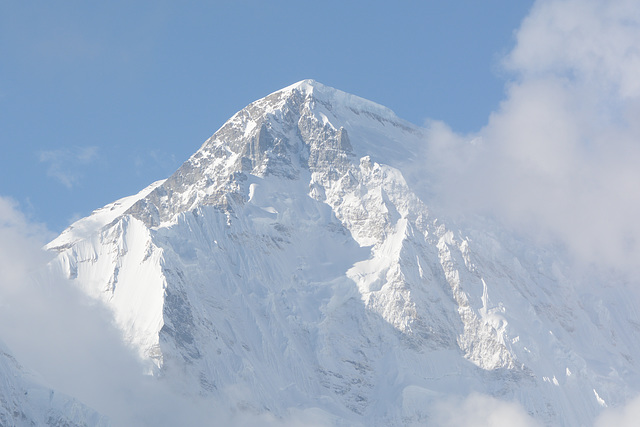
point(288, 263)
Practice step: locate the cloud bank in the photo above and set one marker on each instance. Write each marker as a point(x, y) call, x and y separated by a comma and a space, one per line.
point(559, 158)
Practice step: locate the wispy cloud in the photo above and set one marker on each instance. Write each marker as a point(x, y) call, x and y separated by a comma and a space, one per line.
point(559, 158)
point(65, 164)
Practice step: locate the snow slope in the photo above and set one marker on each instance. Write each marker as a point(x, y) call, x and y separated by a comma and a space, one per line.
point(288, 265)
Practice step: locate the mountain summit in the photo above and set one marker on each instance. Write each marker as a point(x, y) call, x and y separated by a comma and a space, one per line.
point(302, 127)
point(288, 264)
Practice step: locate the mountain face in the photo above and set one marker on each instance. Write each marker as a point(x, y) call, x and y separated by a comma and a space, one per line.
point(289, 264)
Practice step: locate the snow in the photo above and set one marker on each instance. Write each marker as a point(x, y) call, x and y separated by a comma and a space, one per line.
point(86, 227)
point(289, 266)
point(99, 266)
point(599, 399)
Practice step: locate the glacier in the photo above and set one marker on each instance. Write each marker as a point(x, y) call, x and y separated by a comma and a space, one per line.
point(289, 265)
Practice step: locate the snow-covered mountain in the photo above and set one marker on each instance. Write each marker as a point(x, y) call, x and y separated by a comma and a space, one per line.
point(289, 265)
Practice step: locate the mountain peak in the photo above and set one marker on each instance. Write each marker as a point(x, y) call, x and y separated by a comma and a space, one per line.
point(297, 130)
point(306, 85)
point(337, 98)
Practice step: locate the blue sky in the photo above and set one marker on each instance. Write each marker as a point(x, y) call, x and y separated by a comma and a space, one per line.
point(99, 99)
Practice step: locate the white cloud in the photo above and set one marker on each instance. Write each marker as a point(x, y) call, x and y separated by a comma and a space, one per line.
point(479, 410)
point(560, 157)
point(594, 41)
point(18, 238)
point(65, 164)
point(627, 416)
